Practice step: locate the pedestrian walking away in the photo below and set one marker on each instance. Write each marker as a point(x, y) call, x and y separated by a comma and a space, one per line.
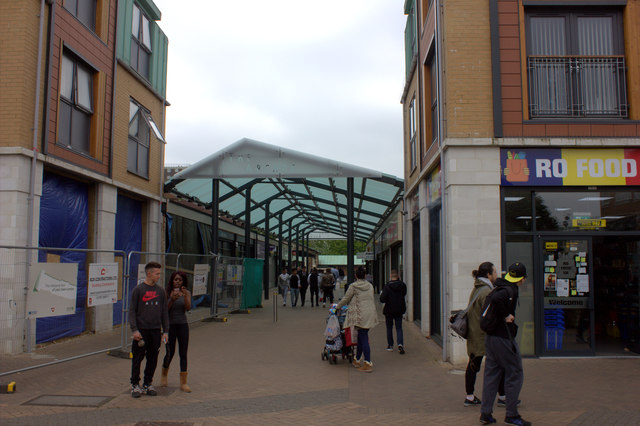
point(313, 286)
point(393, 297)
point(502, 352)
point(283, 285)
point(484, 277)
point(294, 286)
point(149, 322)
point(179, 302)
point(327, 284)
point(304, 284)
point(362, 315)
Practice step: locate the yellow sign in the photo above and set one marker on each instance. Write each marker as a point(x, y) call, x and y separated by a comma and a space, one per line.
point(589, 223)
point(549, 245)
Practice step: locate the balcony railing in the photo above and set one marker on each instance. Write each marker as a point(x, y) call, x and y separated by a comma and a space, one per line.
point(577, 86)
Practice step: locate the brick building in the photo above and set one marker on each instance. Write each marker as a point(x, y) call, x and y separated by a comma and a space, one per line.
point(81, 148)
point(521, 134)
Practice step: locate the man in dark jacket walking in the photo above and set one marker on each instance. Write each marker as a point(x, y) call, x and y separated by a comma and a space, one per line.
point(392, 296)
point(502, 352)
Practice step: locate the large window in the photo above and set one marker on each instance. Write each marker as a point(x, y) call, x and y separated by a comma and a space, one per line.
point(138, 149)
point(76, 104)
point(84, 10)
point(576, 63)
point(140, 42)
point(434, 98)
point(412, 133)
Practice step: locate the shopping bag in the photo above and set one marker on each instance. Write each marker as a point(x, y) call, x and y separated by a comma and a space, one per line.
point(351, 336)
point(333, 327)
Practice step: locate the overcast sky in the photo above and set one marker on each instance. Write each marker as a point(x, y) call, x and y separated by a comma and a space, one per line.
point(324, 78)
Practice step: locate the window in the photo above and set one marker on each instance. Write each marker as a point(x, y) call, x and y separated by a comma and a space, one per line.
point(434, 99)
point(412, 133)
point(76, 104)
point(84, 10)
point(138, 148)
point(140, 42)
point(576, 64)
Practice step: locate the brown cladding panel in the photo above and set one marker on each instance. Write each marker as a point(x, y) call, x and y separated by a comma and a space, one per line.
point(557, 130)
point(512, 130)
point(580, 130)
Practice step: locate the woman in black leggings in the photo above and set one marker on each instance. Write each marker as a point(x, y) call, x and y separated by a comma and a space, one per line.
point(179, 303)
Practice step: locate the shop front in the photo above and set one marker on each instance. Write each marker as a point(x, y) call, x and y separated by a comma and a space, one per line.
point(573, 217)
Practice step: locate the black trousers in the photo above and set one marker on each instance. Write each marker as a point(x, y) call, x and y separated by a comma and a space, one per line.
point(303, 294)
point(179, 332)
point(328, 294)
point(152, 339)
point(314, 291)
point(473, 367)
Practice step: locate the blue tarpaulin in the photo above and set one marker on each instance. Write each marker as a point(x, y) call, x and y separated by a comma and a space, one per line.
point(128, 238)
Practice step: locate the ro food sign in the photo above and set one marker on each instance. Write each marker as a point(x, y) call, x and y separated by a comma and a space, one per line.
point(570, 167)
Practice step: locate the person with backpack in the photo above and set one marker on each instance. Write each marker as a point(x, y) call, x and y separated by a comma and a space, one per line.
point(484, 277)
point(392, 296)
point(327, 284)
point(503, 355)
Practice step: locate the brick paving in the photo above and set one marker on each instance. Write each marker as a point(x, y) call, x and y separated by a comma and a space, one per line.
point(251, 370)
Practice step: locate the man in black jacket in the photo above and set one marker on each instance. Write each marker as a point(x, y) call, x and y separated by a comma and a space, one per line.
point(502, 352)
point(395, 306)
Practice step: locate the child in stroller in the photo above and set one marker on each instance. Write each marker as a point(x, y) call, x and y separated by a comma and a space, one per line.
point(336, 342)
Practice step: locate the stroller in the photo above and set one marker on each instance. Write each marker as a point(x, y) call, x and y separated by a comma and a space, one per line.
point(337, 343)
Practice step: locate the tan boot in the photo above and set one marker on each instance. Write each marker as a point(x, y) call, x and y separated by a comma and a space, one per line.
point(164, 378)
point(184, 387)
point(357, 363)
point(366, 368)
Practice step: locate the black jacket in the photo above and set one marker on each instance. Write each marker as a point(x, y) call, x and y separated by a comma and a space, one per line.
point(392, 296)
point(505, 300)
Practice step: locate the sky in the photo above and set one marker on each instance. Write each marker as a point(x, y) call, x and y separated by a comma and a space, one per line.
point(324, 78)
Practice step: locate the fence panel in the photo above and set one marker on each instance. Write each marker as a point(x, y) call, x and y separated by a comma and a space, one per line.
point(198, 268)
point(228, 284)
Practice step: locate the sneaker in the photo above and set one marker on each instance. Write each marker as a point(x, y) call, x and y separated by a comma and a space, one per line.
point(390, 348)
point(136, 391)
point(472, 403)
point(149, 390)
point(367, 367)
point(503, 403)
point(486, 419)
point(401, 349)
point(518, 421)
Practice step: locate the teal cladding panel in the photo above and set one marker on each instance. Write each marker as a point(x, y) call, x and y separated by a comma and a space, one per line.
point(125, 16)
point(158, 71)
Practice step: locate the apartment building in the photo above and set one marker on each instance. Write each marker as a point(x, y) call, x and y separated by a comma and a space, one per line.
point(521, 139)
point(81, 144)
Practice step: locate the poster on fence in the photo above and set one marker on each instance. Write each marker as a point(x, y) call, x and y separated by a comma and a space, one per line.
point(52, 289)
point(102, 286)
point(200, 275)
point(234, 272)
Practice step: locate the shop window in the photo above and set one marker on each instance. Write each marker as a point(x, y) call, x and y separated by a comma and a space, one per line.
point(412, 134)
point(140, 42)
point(517, 210)
point(76, 103)
point(575, 63)
point(519, 248)
point(84, 10)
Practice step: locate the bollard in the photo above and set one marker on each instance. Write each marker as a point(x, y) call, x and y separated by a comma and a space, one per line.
point(275, 306)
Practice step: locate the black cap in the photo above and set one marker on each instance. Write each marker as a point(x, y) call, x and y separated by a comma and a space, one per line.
point(516, 272)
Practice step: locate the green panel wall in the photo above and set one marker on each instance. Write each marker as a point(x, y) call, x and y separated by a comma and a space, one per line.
point(123, 43)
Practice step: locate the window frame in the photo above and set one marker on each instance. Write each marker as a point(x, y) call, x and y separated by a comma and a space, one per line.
point(413, 154)
point(143, 116)
point(139, 42)
point(91, 25)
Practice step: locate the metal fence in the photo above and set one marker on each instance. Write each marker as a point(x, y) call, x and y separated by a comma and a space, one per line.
point(58, 304)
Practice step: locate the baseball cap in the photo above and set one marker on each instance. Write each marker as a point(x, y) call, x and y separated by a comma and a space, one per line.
point(516, 272)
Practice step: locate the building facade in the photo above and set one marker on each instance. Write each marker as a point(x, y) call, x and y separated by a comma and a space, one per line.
point(521, 135)
point(81, 146)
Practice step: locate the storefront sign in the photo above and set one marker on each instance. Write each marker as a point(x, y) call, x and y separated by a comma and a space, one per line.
point(589, 223)
point(566, 302)
point(102, 288)
point(567, 167)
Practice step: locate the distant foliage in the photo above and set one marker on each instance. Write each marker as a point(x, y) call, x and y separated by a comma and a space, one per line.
point(336, 247)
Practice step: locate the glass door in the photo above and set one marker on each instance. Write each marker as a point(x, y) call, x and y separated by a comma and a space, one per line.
point(566, 270)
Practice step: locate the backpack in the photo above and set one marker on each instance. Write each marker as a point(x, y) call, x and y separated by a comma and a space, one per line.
point(489, 320)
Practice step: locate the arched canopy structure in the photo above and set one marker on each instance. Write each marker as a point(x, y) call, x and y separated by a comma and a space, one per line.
point(258, 182)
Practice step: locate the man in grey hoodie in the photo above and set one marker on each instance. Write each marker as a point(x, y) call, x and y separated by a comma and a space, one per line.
point(393, 296)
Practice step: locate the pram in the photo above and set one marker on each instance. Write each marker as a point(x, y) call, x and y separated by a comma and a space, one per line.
point(338, 345)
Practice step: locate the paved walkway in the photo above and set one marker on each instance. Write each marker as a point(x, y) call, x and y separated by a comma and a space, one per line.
point(252, 370)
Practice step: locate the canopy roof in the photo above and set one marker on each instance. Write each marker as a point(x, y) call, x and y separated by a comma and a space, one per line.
point(303, 190)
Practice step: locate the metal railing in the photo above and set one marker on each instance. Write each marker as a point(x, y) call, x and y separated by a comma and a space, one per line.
point(577, 86)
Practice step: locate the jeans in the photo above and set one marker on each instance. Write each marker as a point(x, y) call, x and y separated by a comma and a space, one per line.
point(398, 320)
point(303, 295)
point(295, 292)
point(152, 339)
point(363, 344)
point(178, 332)
point(284, 295)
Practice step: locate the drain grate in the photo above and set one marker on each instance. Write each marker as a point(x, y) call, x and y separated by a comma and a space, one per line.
point(69, 400)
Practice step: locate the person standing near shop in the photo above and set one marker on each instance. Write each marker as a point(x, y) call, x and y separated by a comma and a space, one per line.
point(502, 352)
point(283, 285)
point(484, 277)
point(179, 302)
point(149, 322)
point(393, 297)
point(304, 284)
point(294, 286)
point(313, 285)
point(362, 315)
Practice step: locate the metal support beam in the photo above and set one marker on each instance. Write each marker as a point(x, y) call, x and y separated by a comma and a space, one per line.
point(350, 239)
point(247, 222)
point(289, 241)
point(215, 248)
point(265, 268)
